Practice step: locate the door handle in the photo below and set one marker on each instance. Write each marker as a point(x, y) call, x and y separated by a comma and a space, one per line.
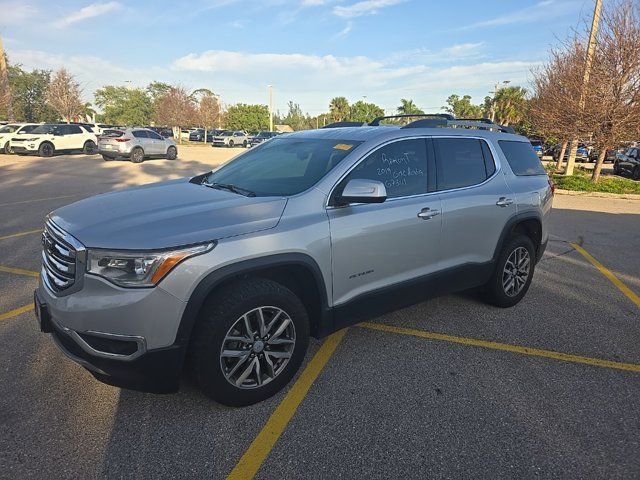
point(504, 201)
point(427, 213)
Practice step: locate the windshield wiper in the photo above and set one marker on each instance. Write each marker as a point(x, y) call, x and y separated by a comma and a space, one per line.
point(231, 188)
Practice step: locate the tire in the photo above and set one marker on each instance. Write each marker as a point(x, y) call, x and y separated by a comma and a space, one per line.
point(89, 147)
point(137, 155)
point(245, 143)
point(231, 144)
point(499, 294)
point(7, 149)
point(616, 168)
point(220, 316)
point(636, 173)
point(106, 158)
point(172, 153)
point(46, 150)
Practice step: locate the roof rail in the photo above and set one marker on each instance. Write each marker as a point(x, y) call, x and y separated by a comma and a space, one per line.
point(376, 121)
point(345, 124)
point(480, 124)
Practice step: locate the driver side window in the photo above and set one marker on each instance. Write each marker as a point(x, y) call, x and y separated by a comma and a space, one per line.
point(401, 166)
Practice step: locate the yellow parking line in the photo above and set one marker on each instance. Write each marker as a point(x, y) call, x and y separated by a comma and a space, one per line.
point(250, 462)
point(16, 312)
point(38, 200)
point(20, 234)
point(609, 274)
point(474, 342)
point(19, 271)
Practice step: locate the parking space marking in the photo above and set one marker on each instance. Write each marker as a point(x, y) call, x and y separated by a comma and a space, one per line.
point(15, 312)
point(20, 234)
point(609, 274)
point(38, 200)
point(257, 452)
point(475, 342)
point(19, 271)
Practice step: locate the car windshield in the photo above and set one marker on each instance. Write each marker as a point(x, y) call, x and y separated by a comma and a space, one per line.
point(225, 134)
point(44, 129)
point(282, 166)
point(9, 128)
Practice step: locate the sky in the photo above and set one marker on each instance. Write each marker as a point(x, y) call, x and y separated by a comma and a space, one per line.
point(309, 50)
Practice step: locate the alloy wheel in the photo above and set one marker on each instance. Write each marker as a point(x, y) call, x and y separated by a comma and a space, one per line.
point(516, 271)
point(257, 347)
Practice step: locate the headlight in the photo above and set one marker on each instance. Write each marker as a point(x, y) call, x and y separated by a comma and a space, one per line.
point(139, 269)
point(31, 139)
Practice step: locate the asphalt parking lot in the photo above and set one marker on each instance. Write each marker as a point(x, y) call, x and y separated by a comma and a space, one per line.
point(450, 388)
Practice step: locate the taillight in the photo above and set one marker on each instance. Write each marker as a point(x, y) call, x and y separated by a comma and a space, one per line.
point(122, 139)
point(552, 186)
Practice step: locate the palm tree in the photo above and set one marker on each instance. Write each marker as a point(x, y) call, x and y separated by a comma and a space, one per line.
point(510, 105)
point(339, 108)
point(407, 107)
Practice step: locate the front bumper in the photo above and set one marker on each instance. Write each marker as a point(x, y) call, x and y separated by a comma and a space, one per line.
point(124, 337)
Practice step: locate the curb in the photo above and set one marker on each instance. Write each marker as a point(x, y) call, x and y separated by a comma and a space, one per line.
point(577, 193)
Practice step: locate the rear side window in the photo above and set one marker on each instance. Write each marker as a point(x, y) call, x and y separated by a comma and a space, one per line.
point(461, 162)
point(140, 134)
point(522, 158)
point(73, 129)
point(401, 166)
point(154, 135)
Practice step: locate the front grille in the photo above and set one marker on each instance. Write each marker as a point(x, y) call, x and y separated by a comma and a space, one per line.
point(59, 259)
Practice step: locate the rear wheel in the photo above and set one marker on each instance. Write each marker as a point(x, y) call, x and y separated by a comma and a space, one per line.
point(244, 144)
point(513, 274)
point(46, 150)
point(89, 147)
point(249, 342)
point(137, 155)
point(172, 153)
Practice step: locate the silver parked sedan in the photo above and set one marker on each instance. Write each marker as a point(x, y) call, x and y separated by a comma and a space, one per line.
point(135, 144)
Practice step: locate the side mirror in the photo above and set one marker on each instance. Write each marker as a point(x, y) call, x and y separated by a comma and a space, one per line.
point(363, 191)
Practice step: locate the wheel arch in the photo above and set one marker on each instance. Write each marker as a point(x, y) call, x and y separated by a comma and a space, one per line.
point(296, 271)
point(527, 223)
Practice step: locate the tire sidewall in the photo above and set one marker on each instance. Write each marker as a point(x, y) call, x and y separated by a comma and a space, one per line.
point(172, 153)
point(41, 151)
point(499, 297)
point(209, 371)
point(134, 158)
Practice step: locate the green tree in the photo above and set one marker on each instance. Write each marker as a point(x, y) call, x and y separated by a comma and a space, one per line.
point(125, 106)
point(296, 119)
point(362, 111)
point(339, 109)
point(242, 116)
point(510, 105)
point(462, 107)
point(408, 107)
point(28, 91)
point(157, 90)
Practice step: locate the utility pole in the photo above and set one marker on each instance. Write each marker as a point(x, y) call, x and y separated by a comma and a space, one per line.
point(271, 108)
point(571, 161)
point(4, 84)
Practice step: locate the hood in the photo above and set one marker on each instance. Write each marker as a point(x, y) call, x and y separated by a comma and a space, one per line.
point(166, 214)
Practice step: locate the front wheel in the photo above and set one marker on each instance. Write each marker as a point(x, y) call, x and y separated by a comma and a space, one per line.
point(7, 149)
point(513, 274)
point(249, 342)
point(46, 150)
point(172, 153)
point(616, 168)
point(636, 173)
point(231, 144)
point(245, 143)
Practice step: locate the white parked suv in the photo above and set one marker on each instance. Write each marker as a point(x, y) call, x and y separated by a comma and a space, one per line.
point(8, 131)
point(49, 139)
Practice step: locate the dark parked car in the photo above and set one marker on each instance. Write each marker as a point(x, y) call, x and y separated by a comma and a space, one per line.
point(261, 137)
point(628, 163)
point(582, 153)
point(609, 157)
point(537, 147)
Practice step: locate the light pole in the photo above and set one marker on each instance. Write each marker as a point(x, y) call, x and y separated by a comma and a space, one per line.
point(271, 108)
point(493, 100)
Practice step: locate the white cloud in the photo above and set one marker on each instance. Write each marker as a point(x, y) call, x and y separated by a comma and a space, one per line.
point(463, 50)
point(543, 10)
point(90, 11)
point(345, 31)
point(365, 7)
point(15, 12)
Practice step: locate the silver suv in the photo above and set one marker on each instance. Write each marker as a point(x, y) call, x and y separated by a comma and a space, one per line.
point(231, 271)
point(135, 144)
point(228, 138)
